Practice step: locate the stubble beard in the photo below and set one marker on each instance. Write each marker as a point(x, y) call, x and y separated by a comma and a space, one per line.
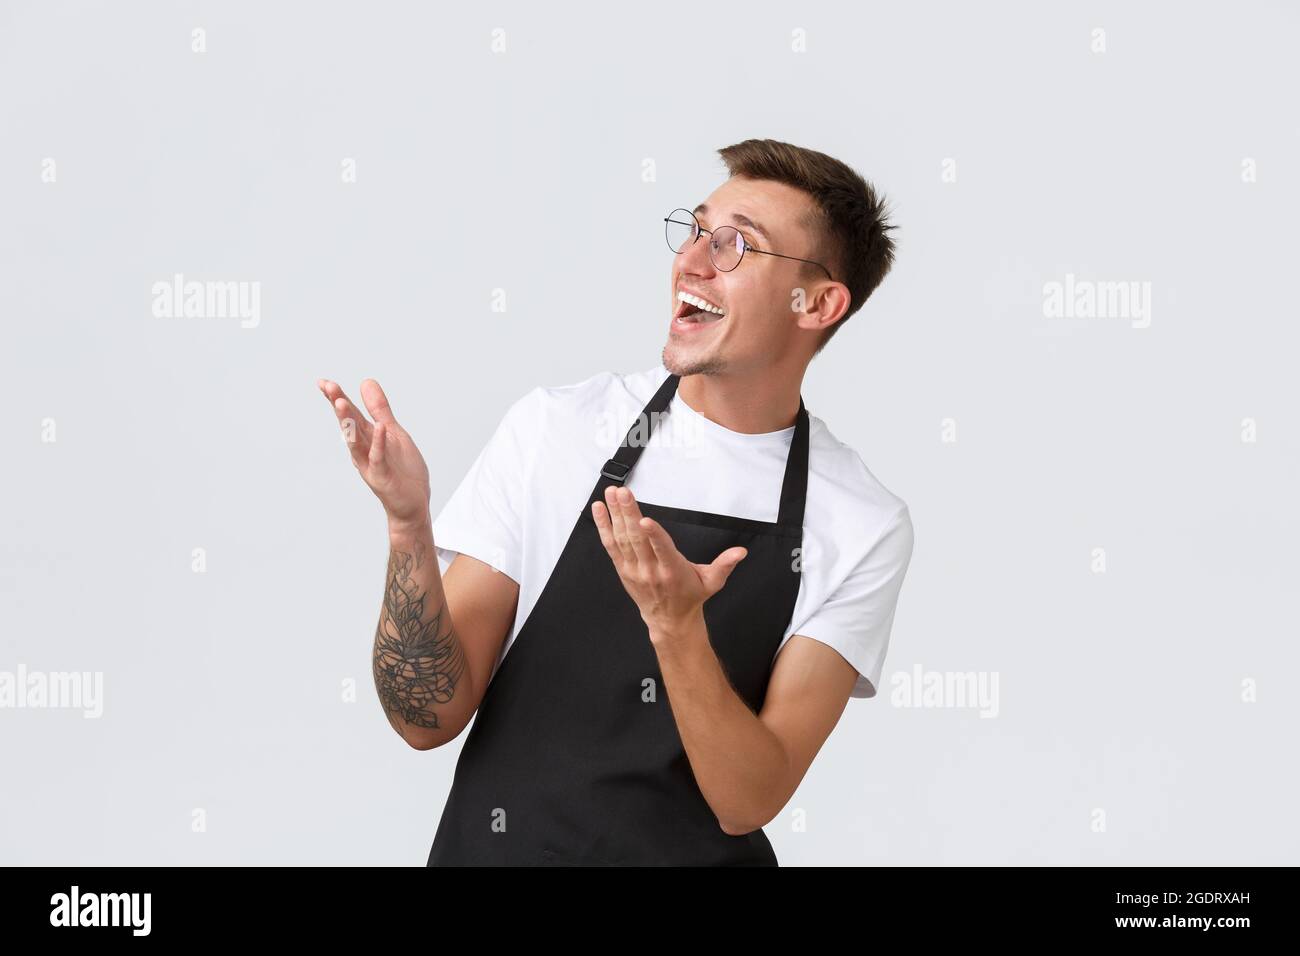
point(708, 365)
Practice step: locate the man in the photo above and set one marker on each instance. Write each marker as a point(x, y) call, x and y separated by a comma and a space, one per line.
point(653, 679)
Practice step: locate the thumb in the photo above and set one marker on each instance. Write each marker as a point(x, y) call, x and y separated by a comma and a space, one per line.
point(715, 575)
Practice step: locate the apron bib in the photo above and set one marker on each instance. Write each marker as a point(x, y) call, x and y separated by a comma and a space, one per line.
point(574, 757)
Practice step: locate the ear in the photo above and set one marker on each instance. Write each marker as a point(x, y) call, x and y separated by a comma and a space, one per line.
point(818, 306)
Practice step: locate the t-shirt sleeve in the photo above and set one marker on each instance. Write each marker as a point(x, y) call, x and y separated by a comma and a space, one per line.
point(484, 516)
point(856, 619)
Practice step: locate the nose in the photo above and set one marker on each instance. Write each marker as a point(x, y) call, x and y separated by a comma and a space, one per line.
point(695, 259)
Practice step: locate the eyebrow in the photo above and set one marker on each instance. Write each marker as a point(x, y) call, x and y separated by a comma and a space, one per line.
point(738, 219)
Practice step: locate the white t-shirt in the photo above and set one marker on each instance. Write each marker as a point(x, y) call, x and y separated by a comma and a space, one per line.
point(517, 505)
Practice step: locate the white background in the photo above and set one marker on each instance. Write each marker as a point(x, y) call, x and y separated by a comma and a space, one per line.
point(523, 171)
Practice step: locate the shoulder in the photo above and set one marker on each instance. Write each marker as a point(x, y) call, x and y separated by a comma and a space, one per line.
point(572, 414)
point(863, 506)
point(604, 386)
point(588, 398)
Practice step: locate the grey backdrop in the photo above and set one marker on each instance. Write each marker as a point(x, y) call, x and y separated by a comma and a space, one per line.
point(1146, 714)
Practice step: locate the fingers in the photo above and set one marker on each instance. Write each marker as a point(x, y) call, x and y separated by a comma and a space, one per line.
point(611, 523)
point(628, 535)
point(376, 401)
point(617, 529)
point(635, 533)
point(334, 392)
point(345, 411)
point(604, 527)
point(378, 445)
point(660, 541)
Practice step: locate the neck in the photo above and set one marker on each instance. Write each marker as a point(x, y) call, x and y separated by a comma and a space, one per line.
point(750, 404)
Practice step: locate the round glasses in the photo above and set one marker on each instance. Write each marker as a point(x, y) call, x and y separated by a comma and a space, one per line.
point(726, 245)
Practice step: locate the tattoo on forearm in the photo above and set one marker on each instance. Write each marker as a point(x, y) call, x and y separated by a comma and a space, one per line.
point(416, 663)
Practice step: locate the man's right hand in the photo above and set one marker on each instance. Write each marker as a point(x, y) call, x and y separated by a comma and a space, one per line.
point(385, 455)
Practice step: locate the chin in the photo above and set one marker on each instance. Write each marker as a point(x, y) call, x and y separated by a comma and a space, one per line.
point(682, 365)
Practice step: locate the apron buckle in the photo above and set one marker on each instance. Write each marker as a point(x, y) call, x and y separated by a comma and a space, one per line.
point(621, 470)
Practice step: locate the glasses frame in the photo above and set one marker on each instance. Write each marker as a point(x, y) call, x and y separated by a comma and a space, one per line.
point(744, 243)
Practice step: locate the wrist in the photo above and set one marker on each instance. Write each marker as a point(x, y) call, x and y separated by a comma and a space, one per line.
point(418, 527)
point(665, 630)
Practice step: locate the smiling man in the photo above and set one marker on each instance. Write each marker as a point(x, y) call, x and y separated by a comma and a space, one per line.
point(654, 661)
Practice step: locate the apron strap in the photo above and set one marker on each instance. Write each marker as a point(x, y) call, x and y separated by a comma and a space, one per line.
point(620, 466)
point(794, 486)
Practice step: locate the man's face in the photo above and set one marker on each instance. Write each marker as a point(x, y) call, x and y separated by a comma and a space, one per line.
point(758, 326)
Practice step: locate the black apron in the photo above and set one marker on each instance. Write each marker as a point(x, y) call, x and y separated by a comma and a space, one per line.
point(574, 757)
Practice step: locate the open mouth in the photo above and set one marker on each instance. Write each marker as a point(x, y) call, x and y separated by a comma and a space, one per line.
point(692, 310)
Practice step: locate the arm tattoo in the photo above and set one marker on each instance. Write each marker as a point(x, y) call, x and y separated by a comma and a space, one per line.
point(416, 665)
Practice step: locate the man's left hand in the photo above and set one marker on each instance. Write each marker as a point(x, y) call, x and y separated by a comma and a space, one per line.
point(668, 589)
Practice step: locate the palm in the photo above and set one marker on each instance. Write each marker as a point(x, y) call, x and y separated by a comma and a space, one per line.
point(407, 472)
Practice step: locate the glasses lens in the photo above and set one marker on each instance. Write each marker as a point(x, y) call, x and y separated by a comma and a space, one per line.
point(680, 228)
point(726, 248)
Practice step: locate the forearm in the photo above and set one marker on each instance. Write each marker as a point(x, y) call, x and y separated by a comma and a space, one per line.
point(419, 663)
point(741, 767)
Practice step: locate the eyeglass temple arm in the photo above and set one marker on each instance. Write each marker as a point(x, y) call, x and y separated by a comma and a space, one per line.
point(795, 258)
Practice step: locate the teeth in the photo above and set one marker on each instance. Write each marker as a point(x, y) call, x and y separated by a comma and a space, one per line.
point(699, 303)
